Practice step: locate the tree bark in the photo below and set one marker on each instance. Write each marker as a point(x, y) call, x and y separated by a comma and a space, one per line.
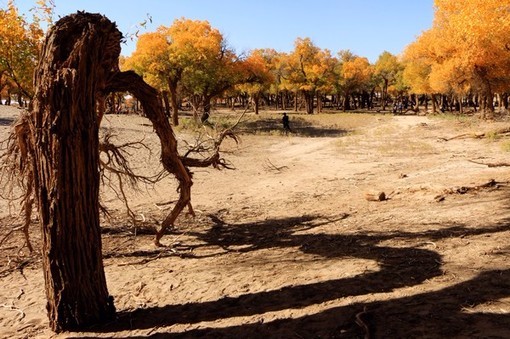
point(167, 103)
point(385, 94)
point(319, 102)
point(309, 96)
point(206, 105)
point(172, 85)
point(296, 101)
point(77, 55)
point(256, 102)
point(434, 103)
point(346, 104)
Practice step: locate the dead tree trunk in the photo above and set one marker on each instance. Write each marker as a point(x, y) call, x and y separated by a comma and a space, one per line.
point(59, 141)
point(131, 82)
point(77, 56)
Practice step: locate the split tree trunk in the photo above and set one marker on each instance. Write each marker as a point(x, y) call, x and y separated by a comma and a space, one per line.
point(79, 52)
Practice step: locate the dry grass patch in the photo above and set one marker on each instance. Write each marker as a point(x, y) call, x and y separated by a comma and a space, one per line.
point(405, 147)
point(308, 125)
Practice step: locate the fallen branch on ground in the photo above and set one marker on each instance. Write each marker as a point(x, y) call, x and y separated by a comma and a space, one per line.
point(491, 184)
point(478, 135)
point(14, 308)
point(492, 164)
point(379, 196)
point(269, 166)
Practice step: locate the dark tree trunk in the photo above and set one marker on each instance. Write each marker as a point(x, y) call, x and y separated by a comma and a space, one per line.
point(8, 100)
point(296, 98)
point(371, 100)
point(172, 85)
point(256, 102)
point(346, 102)
point(434, 104)
point(309, 96)
point(385, 94)
point(416, 103)
point(504, 100)
point(459, 105)
point(166, 102)
point(77, 55)
point(206, 104)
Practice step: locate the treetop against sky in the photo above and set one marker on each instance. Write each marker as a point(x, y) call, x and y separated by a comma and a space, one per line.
point(366, 27)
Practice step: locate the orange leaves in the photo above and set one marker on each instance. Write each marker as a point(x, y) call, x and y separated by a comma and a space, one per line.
point(257, 69)
point(20, 43)
point(309, 66)
point(357, 71)
point(190, 55)
point(466, 47)
point(387, 66)
point(46, 9)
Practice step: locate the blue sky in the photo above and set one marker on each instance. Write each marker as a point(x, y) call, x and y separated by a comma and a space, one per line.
point(366, 27)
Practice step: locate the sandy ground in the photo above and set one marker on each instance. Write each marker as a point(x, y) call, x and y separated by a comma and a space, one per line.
point(287, 246)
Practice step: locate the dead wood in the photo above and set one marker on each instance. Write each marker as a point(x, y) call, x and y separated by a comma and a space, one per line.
point(115, 170)
point(478, 135)
point(492, 164)
point(172, 162)
point(491, 184)
point(211, 146)
point(148, 97)
point(270, 167)
point(16, 173)
point(78, 55)
point(379, 196)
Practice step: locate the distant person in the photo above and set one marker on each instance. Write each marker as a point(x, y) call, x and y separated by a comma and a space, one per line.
point(286, 123)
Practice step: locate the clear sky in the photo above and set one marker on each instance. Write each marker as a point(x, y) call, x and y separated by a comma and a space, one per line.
point(366, 27)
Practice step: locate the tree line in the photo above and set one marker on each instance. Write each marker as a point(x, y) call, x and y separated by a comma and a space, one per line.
point(461, 61)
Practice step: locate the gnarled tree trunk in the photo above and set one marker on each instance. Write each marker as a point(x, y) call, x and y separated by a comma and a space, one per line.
point(77, 57)
point(59, 140)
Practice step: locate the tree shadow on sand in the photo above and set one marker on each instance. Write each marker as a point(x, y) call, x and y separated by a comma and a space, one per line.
point(432, 314)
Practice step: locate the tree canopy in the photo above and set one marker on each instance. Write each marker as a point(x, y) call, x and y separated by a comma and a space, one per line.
point(20, 43)
point(464, 55)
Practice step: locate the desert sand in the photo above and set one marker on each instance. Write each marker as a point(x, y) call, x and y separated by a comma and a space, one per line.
point(287, 246)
